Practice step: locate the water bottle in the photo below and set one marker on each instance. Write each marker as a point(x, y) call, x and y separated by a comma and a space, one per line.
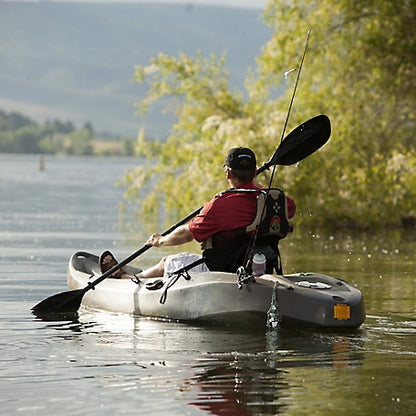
point(259, 264)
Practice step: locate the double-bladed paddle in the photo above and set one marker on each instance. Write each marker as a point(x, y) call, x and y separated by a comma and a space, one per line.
point(301, 142)
point(298, 144)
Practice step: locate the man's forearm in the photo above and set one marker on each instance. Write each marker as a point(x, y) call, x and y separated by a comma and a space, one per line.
point(180, 235)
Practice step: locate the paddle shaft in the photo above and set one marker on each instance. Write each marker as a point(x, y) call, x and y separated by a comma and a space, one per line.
point(301, 142)
point(275, 160)
point(146, 247)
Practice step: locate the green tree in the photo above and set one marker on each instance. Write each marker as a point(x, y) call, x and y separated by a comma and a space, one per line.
point(127, 146)
point(19, 134)
point(79, 143)
point(52, 143)
point(58, 126)
point(14, 121)
point(22, 140)
point(360, 70)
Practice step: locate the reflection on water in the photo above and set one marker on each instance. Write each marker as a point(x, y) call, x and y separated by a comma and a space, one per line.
point(98, 363)
point(217, 370)
point(233, 371)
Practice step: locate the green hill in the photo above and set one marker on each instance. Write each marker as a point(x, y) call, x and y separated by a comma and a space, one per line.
point(75, 61)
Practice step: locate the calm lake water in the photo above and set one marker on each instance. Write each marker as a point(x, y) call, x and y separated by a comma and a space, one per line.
point(106, 364)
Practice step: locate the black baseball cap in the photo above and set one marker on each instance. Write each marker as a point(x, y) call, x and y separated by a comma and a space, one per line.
point(241, 158)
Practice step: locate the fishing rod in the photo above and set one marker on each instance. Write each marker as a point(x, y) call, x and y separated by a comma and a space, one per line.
point(250, 248)
point(293, 97)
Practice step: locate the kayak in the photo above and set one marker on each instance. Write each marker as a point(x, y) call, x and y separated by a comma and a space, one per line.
point(301, 300)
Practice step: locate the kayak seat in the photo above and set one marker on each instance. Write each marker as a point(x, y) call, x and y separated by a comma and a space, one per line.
point(86, 263)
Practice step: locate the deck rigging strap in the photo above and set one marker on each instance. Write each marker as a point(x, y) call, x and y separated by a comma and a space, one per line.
point(174, 277)
point(243, 277)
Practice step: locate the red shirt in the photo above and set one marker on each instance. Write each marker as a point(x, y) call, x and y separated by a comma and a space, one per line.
point(227, 212)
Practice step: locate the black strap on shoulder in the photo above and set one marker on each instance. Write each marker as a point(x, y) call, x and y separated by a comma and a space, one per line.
point(261, 227)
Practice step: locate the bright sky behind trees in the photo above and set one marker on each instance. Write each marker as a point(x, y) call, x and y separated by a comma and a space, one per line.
point(255, 4)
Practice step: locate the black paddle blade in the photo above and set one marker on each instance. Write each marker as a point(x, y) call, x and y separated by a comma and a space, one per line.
point(62, 303)
point(305, 139)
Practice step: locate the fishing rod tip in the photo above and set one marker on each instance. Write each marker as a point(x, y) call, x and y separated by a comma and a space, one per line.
point(287, 73)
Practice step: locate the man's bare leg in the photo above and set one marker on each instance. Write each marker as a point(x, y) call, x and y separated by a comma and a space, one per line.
point(154, 271)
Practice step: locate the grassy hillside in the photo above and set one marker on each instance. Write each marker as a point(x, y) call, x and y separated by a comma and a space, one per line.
point(75, 61)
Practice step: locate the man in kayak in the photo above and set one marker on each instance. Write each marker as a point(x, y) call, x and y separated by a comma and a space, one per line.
point(219, 226)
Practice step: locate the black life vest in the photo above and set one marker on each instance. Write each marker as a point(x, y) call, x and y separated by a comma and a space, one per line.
point(226, 250)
